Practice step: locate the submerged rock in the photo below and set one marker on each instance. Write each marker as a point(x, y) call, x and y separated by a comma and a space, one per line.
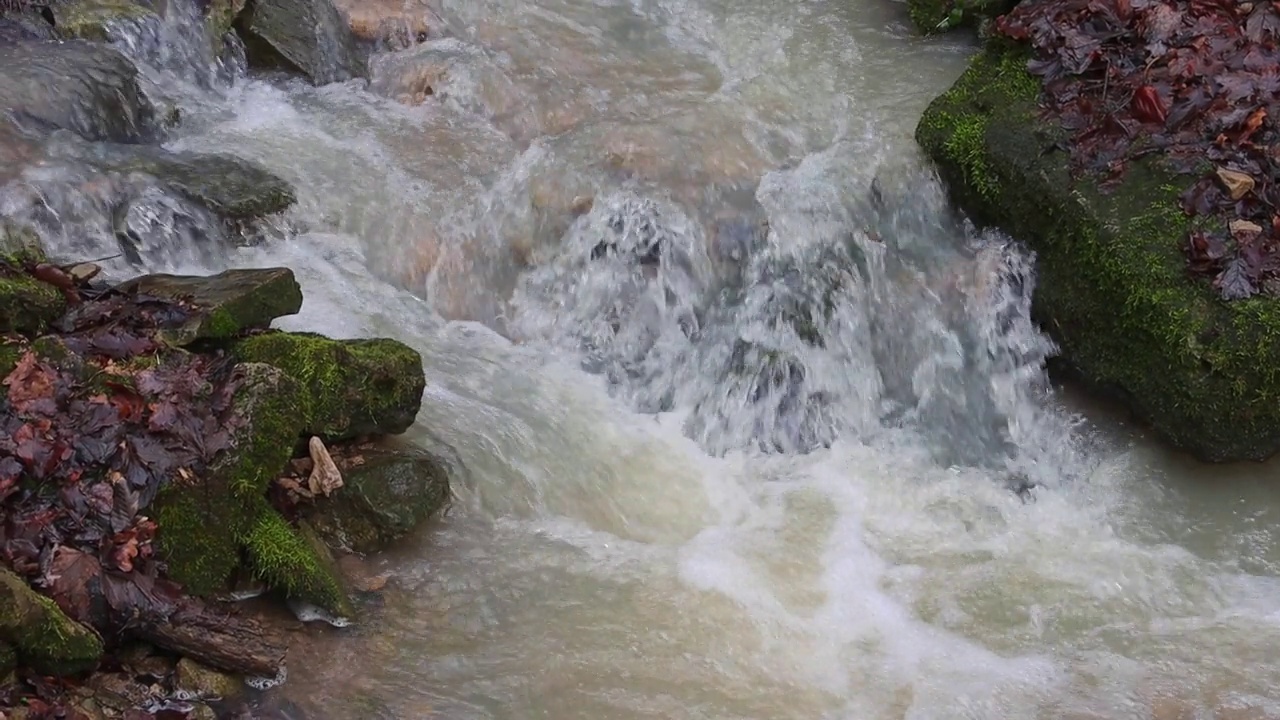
point(91, 19)
point(1112, 287)
point(232, 188)
point(205, 683)
point(385, 496)
point(75, 85)
point(449, 70)
point(390, 24)
point(351, 388)
point(45, 638)
point(228, 303)
point(309, 35)
point(24, 24)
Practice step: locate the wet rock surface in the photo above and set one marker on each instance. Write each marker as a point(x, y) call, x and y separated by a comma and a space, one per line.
point(309, 35)
point(386, 495)
point(225, 304)
point(90, 89)
point(232, 188)
point(92, 19)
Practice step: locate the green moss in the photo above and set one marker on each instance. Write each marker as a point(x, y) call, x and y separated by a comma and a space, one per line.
point(350, 387)
point(204, 524)
point(934, 16)
point(91, 19)
point(8, 661)
point(45, 638)
point(1112, 286)
point(296, 563)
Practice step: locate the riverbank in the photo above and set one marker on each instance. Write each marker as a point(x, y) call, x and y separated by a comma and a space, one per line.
point(165, 451)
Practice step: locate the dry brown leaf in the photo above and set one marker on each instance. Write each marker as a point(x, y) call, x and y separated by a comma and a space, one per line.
point(1237, 183)
point(324, 477)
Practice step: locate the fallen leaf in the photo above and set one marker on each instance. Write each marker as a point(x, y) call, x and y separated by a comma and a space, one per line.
point(1237, 183)
point(324, 477)
point(1244, 229)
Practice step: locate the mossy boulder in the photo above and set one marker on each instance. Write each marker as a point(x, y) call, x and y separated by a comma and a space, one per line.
point(935, 16)
point(92, 19)
point(218, 17)
point(27, 305)
point(228, 303)
point(1112, 284)
point(351, 388)
point(204, 527)
point(45, 638)
point(385, 495)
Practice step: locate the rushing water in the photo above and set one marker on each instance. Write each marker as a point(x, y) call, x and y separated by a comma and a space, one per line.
point(747, 423)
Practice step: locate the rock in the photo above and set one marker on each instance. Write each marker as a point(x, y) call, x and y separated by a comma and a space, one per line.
point(75, 85)
point(201, 530)
point(351, 387)
point(232, 188)
point(205, 683)
point(27, 305)
point(1112, 287)
point(219, 15)
point(45, 638)
point(385, 496)
point(91, 19)
point(89, 709)
point(390, 24)
point(230, 302)
point(118, 692)
point(449, 70)
point(200, 711)
point(309, 35)
point(24, 24)
point(204, 529)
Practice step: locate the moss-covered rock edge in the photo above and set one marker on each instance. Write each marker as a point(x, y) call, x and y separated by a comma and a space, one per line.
point(1112, 286)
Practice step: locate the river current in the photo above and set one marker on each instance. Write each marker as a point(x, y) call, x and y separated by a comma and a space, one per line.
point(746, 422)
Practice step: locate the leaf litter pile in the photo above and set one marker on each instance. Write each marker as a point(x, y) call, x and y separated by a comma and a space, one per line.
point(1197, 81)
point(94, 421)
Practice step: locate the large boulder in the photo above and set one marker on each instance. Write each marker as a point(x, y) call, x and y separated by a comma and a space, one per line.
point(311, 36)
point(43, 636)
point(1112, 286)
point(225, 304)
point(385, 495)
point(90, 89)
point(204, 528)
point(351, 388)
point(234, 189)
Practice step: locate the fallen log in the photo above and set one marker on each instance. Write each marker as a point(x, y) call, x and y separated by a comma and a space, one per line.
point(218, 637)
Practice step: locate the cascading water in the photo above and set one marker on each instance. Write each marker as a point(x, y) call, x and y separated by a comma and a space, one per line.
point(736, 403)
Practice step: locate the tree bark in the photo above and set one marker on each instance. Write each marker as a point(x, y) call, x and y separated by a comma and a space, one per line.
point(219, 638)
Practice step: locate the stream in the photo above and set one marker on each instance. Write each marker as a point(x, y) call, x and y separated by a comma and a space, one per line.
point(747, 422)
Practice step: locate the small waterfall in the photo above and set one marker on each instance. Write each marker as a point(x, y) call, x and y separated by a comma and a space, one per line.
point(844, 317)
